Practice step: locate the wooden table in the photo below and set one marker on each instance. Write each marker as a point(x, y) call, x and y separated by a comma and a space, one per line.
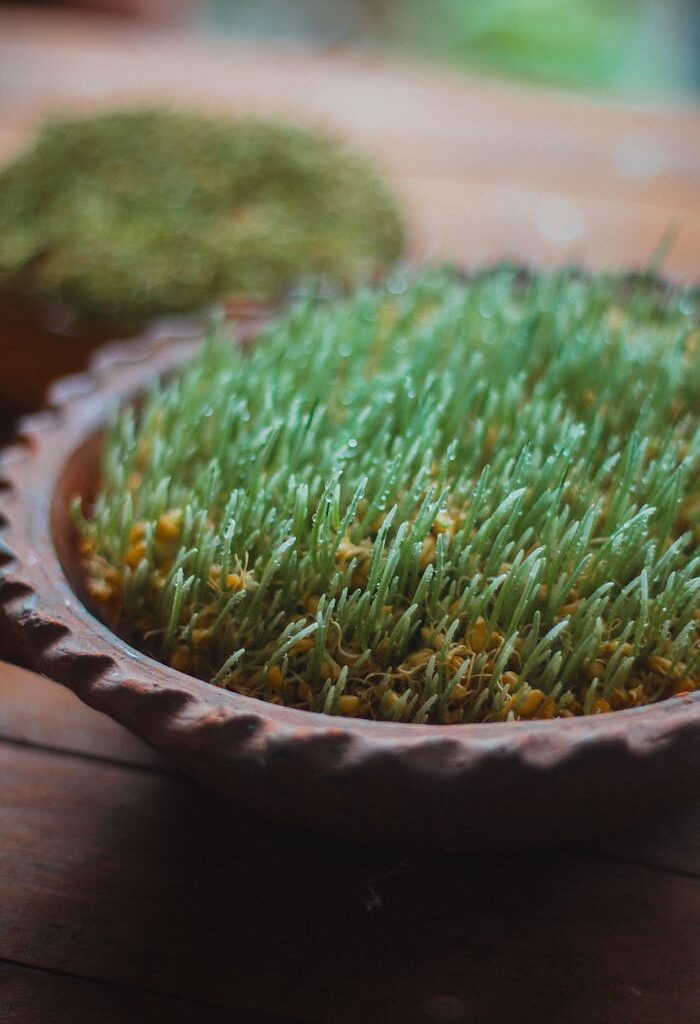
point(127, 892)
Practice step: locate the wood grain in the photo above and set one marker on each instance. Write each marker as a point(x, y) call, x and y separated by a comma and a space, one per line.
point(129, 877)
point(34, 710)
point(30, 996)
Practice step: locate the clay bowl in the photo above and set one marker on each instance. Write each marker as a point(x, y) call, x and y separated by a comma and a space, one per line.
point(454, 787)
point(42, 342)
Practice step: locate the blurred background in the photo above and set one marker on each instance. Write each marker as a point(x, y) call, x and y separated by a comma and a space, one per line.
point(624, 47)
point(538, 130)
point(636, 48)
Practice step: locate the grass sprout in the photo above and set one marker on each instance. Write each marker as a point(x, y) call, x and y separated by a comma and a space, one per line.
point(453, 501)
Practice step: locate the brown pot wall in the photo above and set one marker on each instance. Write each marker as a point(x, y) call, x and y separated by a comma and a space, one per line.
point(37, 345)
point(40, 343)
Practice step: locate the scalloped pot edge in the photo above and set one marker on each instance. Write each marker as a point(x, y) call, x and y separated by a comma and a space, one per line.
point(455, 786)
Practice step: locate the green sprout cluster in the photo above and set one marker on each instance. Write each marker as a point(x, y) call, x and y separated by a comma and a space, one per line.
point(137, 213)
point(457, 501)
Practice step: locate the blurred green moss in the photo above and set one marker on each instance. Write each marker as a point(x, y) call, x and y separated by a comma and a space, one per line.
point(140, 212)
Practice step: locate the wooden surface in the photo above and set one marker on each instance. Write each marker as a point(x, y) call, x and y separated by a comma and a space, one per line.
point(127, 892)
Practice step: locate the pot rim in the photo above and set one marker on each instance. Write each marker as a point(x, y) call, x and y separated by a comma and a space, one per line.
point(45, 618)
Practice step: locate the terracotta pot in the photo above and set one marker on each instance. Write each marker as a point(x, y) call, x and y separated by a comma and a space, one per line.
point(459, 786)
point(40, 342)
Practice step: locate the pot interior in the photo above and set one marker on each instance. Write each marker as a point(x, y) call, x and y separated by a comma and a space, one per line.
point(78, 477)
